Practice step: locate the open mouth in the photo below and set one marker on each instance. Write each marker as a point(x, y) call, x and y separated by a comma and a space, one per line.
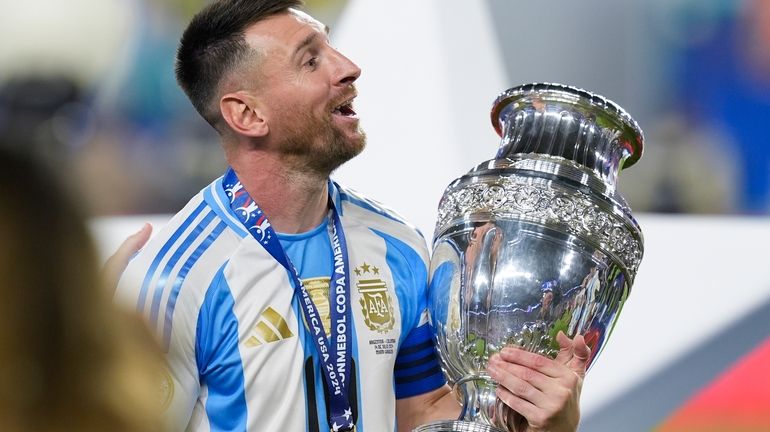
point(345, 109)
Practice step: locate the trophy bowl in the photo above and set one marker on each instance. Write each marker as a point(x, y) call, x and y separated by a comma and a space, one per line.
point(535, 241)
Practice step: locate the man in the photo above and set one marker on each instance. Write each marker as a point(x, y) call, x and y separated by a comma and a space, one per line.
point(286, 302)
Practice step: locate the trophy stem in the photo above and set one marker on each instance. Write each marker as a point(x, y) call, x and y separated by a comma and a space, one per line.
point(481, 405)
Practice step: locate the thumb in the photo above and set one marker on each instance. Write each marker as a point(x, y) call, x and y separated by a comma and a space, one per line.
point(566, 348)
point(116, 263)
point(582, 353)
point(574, 353)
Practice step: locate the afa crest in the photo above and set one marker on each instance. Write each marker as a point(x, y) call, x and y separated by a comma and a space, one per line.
point(376, 304)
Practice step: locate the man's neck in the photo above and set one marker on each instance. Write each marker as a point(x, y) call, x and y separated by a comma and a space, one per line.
point(294, 201)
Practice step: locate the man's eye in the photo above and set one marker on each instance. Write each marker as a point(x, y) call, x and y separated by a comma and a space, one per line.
point(313, 62)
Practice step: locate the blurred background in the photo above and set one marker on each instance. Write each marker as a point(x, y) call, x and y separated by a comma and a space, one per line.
point(88, 86)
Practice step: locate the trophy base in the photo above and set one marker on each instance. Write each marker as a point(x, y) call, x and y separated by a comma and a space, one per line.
point(456, 426)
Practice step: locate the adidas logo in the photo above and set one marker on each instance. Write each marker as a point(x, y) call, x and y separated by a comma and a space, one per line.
point(271, 327)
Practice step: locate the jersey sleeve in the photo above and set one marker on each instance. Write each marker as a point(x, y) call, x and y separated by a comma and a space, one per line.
point(417, 370)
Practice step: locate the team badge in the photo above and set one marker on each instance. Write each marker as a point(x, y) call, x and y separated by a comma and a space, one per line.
point(376, 304)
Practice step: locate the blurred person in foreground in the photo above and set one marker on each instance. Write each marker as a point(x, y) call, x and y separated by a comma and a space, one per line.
point(69, 359)
point(285, 301)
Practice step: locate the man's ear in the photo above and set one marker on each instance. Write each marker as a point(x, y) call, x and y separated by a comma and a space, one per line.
point(242, 114)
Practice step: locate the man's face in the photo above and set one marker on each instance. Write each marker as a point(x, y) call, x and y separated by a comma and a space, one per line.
point(305, 88)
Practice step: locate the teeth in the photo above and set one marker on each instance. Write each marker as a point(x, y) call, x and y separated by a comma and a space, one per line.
point(348, 105)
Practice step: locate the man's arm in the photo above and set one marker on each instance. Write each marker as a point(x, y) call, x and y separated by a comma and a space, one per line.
point(545, 392)
point(439, 404)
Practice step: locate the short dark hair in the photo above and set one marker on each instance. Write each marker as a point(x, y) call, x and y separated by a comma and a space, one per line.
point(214, 43)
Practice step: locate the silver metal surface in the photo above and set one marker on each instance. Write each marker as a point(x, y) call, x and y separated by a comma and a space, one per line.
point(535, 241)
point(456, 426)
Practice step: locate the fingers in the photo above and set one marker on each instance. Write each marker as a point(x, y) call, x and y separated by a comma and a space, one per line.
point(545, 391)
point(538, 362)
point(134, 242)
point(517, 392)
point(530, 375)
point(116, 263)
point(518, 404)
point(524, 382)
point(538, 397)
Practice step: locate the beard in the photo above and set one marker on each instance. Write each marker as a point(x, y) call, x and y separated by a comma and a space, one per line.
point(318, 146)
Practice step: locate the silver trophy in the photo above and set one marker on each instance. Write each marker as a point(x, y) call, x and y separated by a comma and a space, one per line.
point(535, 241)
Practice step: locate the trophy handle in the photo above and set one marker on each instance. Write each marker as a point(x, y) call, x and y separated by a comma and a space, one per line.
point(477, 393)
point(480, 405)
point(514, 421)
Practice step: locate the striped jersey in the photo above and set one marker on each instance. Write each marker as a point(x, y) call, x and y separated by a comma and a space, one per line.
point(240, 356)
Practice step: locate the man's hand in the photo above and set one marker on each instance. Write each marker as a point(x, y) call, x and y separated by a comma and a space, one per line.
point(116, 263)
point(545, 392)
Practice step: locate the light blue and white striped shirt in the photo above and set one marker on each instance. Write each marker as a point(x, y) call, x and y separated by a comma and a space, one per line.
point(240, 356)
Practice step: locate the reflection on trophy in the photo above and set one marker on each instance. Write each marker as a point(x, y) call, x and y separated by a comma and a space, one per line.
point(533, 242)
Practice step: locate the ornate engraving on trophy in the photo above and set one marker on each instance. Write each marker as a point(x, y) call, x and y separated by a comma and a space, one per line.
point(543, 203)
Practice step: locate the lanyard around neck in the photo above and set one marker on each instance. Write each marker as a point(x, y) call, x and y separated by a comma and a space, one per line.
point(335, 359)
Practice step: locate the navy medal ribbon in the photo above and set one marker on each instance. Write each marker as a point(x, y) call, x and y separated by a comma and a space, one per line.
point(335, 359)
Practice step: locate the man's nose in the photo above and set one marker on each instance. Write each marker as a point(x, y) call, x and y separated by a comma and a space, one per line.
point(347, 71)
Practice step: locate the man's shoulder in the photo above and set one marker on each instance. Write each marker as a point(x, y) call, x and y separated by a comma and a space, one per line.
point(368, 209)
point(189, 249)
point(381, 219)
